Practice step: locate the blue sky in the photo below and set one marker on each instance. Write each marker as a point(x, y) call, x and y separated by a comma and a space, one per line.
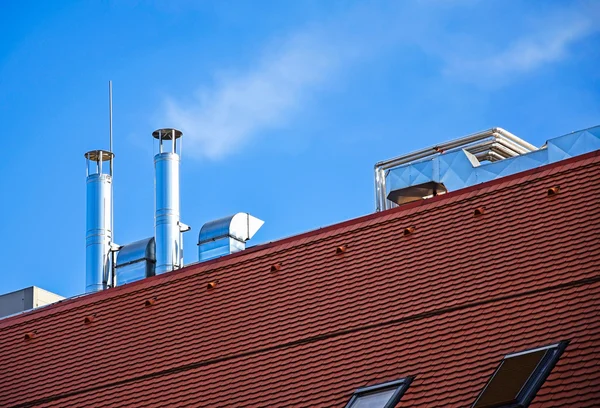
point(285, 106)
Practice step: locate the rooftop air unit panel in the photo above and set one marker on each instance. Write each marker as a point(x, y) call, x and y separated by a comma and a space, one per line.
point(470, 160)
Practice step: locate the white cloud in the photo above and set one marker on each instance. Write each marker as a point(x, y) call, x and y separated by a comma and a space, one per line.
point(237, 108)
point(549, 43)
point(227, 116)
point(530, 53)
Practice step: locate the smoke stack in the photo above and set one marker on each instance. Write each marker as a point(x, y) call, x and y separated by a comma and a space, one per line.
point(168, 228)
point(99, 216)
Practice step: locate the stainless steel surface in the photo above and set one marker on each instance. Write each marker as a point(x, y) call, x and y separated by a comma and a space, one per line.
point(167, 228)
point(455, 165)
point(226, 235)
point(136, 261)
point(98, 220)
point(492, 144)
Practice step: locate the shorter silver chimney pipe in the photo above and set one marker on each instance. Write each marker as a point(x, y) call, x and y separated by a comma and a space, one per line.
point(98, 252)
point(168, 227)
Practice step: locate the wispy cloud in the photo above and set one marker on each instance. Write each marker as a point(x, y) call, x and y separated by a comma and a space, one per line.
point(239, 107)
point(226, 116)
point(549, 43)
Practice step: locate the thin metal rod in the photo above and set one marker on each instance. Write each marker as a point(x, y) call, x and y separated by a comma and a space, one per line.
point(112, 278)
point(110, 113)
point(110, 123)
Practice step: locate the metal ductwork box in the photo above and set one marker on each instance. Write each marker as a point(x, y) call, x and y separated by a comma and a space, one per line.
point(26, 299)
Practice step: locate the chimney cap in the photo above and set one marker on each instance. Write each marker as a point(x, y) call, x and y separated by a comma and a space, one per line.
point(99, 155)
point(167, 133)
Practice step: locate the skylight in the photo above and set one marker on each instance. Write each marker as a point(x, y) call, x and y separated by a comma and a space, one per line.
point(519, 377)
point(379, 396)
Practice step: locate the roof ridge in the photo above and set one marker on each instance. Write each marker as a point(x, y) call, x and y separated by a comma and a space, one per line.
point(183, 274)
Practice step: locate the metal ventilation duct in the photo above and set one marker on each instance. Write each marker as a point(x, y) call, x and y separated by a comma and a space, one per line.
point(99, 218)
point(168, 228)
point(471, 160)
point(226, 235)
point(136, 261)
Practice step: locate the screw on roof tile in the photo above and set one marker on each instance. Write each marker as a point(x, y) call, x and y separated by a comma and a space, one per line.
point(552, 191)
point(89, 319)
point(211, 285)
point(479, 211)
point(30, 335)
point(409, 230)
point(275, 267)
point(150, 302)
point(341, 249)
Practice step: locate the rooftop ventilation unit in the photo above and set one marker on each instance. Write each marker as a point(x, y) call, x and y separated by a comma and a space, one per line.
point(163, 252)
point(226, 235)
point(168, 228)
point(136, 261)
point(470, 160)
point(99, 218)
point(26, 299)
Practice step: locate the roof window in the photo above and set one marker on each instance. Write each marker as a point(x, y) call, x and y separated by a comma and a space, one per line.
point(519, 377)
point(384, 395)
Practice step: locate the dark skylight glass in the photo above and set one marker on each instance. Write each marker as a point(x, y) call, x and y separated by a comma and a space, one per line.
point(519, 377)
point(379, 396)
point(374, 400)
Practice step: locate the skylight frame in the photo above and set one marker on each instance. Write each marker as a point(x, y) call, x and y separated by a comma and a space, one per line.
point(401, 386)
point(535, 380)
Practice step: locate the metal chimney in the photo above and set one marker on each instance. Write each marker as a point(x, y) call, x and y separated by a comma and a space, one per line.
point(168, 228)
point(99, 217)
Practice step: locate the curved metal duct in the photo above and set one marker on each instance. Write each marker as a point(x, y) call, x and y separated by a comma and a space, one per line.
point(136, 261)
point(226, 235)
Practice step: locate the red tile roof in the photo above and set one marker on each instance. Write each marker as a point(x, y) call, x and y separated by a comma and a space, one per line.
point(443, 304)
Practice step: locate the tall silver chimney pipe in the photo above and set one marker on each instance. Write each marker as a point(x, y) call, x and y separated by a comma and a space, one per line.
point(98, 262)
point(168, 228)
